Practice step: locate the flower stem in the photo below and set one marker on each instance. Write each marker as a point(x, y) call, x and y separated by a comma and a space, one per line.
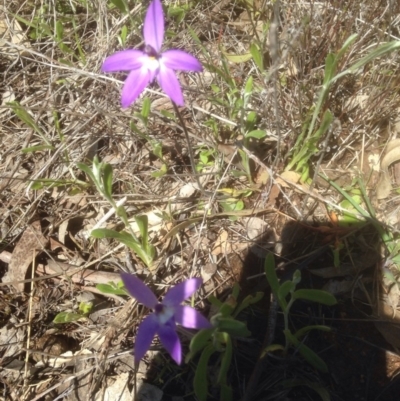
point(190, 149)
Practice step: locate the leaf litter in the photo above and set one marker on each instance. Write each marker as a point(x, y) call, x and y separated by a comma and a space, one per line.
point(77, 111)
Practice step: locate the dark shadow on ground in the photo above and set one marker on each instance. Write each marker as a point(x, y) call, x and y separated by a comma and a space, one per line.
point(362, 365)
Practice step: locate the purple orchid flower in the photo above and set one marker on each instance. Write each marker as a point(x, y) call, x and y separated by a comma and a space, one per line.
point(166, 315)
point(146, 65)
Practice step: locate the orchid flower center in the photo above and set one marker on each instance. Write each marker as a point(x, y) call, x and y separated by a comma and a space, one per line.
point(163, 313)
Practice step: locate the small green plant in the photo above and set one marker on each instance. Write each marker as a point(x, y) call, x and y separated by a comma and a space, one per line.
point(112, 288)
point(306, 143)
point(101, 175)
point(219, 340)
point(286, 294)
point(68, 317)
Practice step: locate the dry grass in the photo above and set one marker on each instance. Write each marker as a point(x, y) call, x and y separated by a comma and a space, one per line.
point(76, 111)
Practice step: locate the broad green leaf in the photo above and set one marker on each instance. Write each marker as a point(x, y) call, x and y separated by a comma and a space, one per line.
point(200, 340)
point(237, 58)
point(200, 382)
point(319, 296)
point(258, 134)
point(67, 317)
point(233, 327)
point(111, 288)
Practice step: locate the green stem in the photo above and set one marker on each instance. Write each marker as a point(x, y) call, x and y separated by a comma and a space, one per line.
point(190, 149)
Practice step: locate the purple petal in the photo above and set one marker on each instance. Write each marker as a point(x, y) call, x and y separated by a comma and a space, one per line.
point(170, 85)
point(188, 317)
point(153, 28)
point(139, 290)
point(134, 85)
point(171, 343)
point(182, 291)
point(145, 335)
point(125, 60)
point(180, 60)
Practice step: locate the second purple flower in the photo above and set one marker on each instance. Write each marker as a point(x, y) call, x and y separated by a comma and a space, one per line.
point(165, 316)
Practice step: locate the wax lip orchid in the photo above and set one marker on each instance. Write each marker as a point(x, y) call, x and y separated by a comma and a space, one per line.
point(149, 64)
point(165, 316)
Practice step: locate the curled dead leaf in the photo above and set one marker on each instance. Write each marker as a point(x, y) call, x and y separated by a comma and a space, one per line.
point(392, 155)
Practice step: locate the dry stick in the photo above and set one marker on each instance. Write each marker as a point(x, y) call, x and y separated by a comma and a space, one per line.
point(190, 149)
point(28, 339)
point(274, 48)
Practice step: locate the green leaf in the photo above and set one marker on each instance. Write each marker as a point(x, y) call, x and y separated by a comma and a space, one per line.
point(123, 35)
point(200, 382)
point(226, 393)
point(67, 317)
point(107, 180)
point(85, 307)
point(24, 116)
point(112, 288)
point(233, 327)
point(163, 170)
point(126, 239)
point(143, 224)
point(284, 289)
point(307, 353)
point(304, 330)
point(272, 278)
point(146, 106)
point(226, 360)
point(258, 134)
point(248, 88)
point(237, 58)
point(319, 296)
point(121, 5)
point(200, 340)
point(257, 56)
point(249, 300)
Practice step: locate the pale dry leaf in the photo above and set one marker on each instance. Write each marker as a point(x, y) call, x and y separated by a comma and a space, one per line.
point(255, 227)
point(11, 338)
point(290, 176)
point(392, 155)
point(188, 190)
point(27, 248)
point(207, 271)
point(116, 390)
point(387, 313)
point(221, 244)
